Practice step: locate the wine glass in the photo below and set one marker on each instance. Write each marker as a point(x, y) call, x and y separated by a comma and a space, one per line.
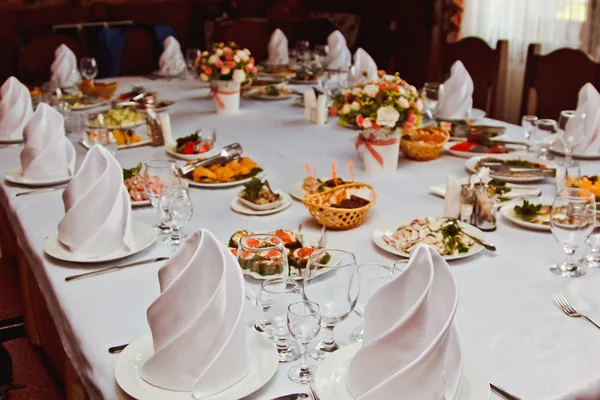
point(336, 291)
point(88, 67)
point(544, 136)
point(303, 51)
point(572, 220)
point(276, 294)
point(157, 174)
point(175, 208)
point(431, 94)
point(263, 255)
point(304, 323)
point(400, 266)
point(320, 53)
point(529, 122)
point(571, 131)
point(191, 55)
point(592, 260)
point(372, 278)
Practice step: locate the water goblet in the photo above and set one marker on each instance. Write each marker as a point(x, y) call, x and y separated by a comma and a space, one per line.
point(88, 67)
point(571, 131)
point(191, 55)
point(304, 323)
point(400, 266)
point(572, 219)
point(157, 174)
point(544, 136)
point(592, 260)
point(175, 208)
point(320, 53)
point(431, 94)
point(529, 122)
point(276, 294)
point(336, 292)
point(372, 278)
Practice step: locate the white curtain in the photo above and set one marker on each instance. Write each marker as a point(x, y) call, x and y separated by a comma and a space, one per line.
point(553, 23)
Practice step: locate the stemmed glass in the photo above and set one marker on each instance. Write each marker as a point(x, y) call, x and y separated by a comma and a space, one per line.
point(400, 266)
point(276, 294)
point(592, 260)
point(88, 67)
point(572, 220)
point(573, 136)
point(175, 208)
point(336, 292)
point(191, 55)
point(544, 136)
point(303, 52)
point(431, 94)
point(372, 278)
point(304, 323)
point(157, 174)
point(263, 255)
point(320, 53)
point(529, 122)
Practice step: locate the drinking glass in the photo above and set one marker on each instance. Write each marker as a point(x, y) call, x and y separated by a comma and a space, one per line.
point(304, 323)
point(529, 122)
point(572, 220)
point(65, 110)
point(157, 174)
point(431, 94)
point(565, 172)
point(263, 255)
point(372, 278)
point(336, 292)
point(400, 266)
point(592, 260)
point(191, 55)
point(276, 294)
point(573, 136)
point(175, 208)
point(320, 53)
point(544, 136)
point(303, 51)
point(88, 67)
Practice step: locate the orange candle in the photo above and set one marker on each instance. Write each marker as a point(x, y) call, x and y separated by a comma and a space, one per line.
point(307, 169)
point(333, 174)
point(351, 167)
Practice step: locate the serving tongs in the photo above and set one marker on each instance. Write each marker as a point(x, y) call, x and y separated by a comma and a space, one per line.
point(132, 102)
point(228, 153)
point(501, 168)
point(461, 129)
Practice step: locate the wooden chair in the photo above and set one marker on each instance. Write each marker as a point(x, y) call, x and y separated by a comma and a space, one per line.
point(251, 33)
point(487, 67)
point(140, 52)
point(552, 81)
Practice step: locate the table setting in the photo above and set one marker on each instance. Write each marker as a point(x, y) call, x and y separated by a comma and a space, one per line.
point(224, 259)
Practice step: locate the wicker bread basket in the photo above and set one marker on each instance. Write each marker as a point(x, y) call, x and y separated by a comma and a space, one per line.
point(338, 218)
point(104, 90)
point(424, 144)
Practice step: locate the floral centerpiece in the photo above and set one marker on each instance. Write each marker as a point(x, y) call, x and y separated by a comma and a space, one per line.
point(226, 67)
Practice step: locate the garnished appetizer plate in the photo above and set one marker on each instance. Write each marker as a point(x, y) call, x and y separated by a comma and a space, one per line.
point(262, 356)
point(257, 198)
point(476, 114)
point(468, 149)
point(134, 183)
point(16, 176)
point(271, 92)
point(239, 206)
point(194, 146)
point(445, 236)
point(233, 173)
point(116, 118)
point(312, 185)
point(519, 160)
point(163, 105)
point(531, 214)
point(505, 191)
point(124, 138)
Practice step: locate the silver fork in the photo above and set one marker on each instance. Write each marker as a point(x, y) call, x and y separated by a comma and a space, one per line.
point(568, 309)
point(323, 240)
point(312, 391)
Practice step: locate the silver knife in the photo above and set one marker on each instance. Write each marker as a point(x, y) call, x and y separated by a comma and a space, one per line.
point(503, 393)
point(40, 191)
point(115, 268)
point(295, 396)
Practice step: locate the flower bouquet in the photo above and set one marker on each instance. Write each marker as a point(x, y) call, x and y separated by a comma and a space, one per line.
point(226, 67)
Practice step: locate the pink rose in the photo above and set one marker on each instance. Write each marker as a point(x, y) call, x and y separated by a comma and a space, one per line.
point(359, 120)
point(412, 118)
point(384, 86)
point(408, 126)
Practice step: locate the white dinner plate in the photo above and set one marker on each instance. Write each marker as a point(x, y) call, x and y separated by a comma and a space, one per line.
point(261, 96)
point(516, 190)
point(295, 81)
point(144, 235)
point(476, 114)
point(15, 176)
point(330, 379)
point(143, 142)
point(581, 156)
point(263, 359)
point(466, 154)
point(140, 203)
point(297, 191)
point(193, 157)
point(261, 174)
point(11, 141)
point(238, 206)
point(508, 212)
point(471, 162)
point(476, 248)
point(87, 107)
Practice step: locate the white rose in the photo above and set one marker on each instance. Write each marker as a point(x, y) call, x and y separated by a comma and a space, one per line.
point(401, 90)
point(355, 105)
point(239, 75)
point(247, 51)
point(236, 59)
point(413, 89)
point(213, 59)
point(420, 105)
point(242, 55)
point(367, 123)
point(356, 91)
point(371, 90)
point(204, 77)
point(225, 70)
point(345, 109)
point(387, 116)
point(219, 52)
point(204, 53)
point(402, 102)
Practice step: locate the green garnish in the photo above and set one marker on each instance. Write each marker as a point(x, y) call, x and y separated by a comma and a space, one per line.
point(522, 164)
point(131, 172)
point(527, 211)
point(253, 188)
point(452, 238)
point(272, 91)
point(182, 141)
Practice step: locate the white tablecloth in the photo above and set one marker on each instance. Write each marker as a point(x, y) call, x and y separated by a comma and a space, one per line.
point(509, 324)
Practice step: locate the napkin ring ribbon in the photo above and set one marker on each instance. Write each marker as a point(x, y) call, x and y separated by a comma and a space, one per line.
point(370, 143)
point(216, 95)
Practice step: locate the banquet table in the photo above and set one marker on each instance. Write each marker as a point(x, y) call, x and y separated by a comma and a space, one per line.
point(509, 326)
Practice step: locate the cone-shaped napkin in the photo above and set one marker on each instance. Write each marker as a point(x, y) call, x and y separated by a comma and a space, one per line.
point(64, 68)
point(15, 109)
point(98, 211)
point(457, 100)
point(363, 62)
point(171, 60)
point(47, 154)
point(197, 323)
point(339, 57)
point(278, 49)
point(588, 104)
point(410, 350)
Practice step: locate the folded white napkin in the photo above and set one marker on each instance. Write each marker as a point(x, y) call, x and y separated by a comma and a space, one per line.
point(64, 68)
point(363, 62)
point(339, 56)
point(47, 154)
point(197, 321)
point(410, 350)
point(15, 109)
point(171, 60)
point(588, 103)
point(97, 217)
point(457, 100)
point(278, 49)
point(452, 198)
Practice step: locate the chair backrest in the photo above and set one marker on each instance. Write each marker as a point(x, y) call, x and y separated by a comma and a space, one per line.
point(487, 67)
point(552, 82)
point(411, 57)
point(37, 56)
point(315, 31)
point(251, 33)
point(140, 52)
